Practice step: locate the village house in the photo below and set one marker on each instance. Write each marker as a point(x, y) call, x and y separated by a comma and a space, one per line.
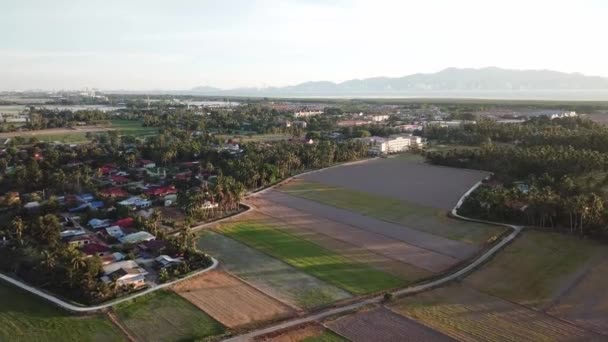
point(125, 273)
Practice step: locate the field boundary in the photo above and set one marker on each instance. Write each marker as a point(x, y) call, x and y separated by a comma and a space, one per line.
point(410, 290)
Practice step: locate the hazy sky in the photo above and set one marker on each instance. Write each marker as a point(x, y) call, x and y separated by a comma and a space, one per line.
point(173, 44)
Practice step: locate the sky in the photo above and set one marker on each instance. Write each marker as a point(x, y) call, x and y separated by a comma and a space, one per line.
point(180, 44)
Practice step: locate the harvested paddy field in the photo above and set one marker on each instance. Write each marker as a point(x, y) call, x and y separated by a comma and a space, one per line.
point(468, 315)
point(307, 333)
point(24, 317)
point(313, 259)
point(229, 300)
point(318, 231)
point(270, 275)
point(403, 179)
point(586, 301)
point(445, 251)
point(536, 268)
point(381, 324)
point(165, 316)
point(409, 220)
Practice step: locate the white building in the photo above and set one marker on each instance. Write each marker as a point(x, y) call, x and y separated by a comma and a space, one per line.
point(393, 144)
point(379, 117)
point(306, 114)
point(563, 115)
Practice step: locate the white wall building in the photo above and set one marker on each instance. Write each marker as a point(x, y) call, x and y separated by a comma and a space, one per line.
point(306, 114)
point(393, 144)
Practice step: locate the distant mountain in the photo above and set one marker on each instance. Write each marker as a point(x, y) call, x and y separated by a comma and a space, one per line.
point(485, 82)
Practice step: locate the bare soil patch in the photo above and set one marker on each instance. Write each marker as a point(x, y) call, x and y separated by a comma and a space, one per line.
point(434, 186)
point(229, 300)
point(382, 324)
point(54, 131)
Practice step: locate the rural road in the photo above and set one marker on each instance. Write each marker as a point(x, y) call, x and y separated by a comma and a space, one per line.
point(401, 292)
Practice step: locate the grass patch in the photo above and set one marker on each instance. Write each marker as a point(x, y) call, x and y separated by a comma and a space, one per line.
point(533, 268)
point(24, 317)
point(165, 316)
point(412, 215)
point(133, 128)
point(313, 259)
point(283, 281)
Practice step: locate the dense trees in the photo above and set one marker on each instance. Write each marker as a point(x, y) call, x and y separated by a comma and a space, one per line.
point(548, 173)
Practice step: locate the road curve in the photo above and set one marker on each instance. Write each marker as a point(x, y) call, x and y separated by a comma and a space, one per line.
point(401, 292)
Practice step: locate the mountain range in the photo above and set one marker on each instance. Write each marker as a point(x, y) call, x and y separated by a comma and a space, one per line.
point(484, 82)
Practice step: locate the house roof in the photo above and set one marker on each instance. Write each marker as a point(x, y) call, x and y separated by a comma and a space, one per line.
point(137, 237)
point(94, 248)
point(114, 192)
point(154, 245)
point(125, 222)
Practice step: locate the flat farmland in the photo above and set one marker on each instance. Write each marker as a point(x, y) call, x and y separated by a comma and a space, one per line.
point(307, 333)
point(381, 324)
point(24, 317)
point(406, 219)
point(229, 300)
point(335, 237)
point(313, 259)
point(403, 179)
point(272, 276)
point(468, 315)
point(586, 301)
point(539, 266)
point(454, 250)
point(165, 316)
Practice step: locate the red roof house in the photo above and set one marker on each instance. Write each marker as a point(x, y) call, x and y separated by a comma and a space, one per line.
point(113, 192)
point(119, 179)
point(95, 249)
point(125, 222)
point(161, 191)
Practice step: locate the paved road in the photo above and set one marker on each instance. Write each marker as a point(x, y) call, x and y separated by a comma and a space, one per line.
point(402, 292)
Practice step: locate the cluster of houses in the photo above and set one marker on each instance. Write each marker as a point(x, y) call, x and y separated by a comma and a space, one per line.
point(130, 257)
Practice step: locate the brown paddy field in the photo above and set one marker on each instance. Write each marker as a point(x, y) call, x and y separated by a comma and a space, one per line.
point(408, 180)
point(469, 315)
point(381, 324)
point(229, 300)
point(586, 302)
point(304, 333)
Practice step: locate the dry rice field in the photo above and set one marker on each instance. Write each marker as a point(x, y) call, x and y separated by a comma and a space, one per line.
point(586, 303)
point(229, 300)
point(305, 228)
point(380, 237)
point(381, 324)
point(433, 186)
point(304, 333)
point(468, 315)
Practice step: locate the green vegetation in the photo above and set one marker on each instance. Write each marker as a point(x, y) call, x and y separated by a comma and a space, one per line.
point(313, 259)
point(553, 172)
point(535, 267)
point(325, 336)
point(133, 128)
point(164, 316)
point(26, 318)
point(431, 220)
